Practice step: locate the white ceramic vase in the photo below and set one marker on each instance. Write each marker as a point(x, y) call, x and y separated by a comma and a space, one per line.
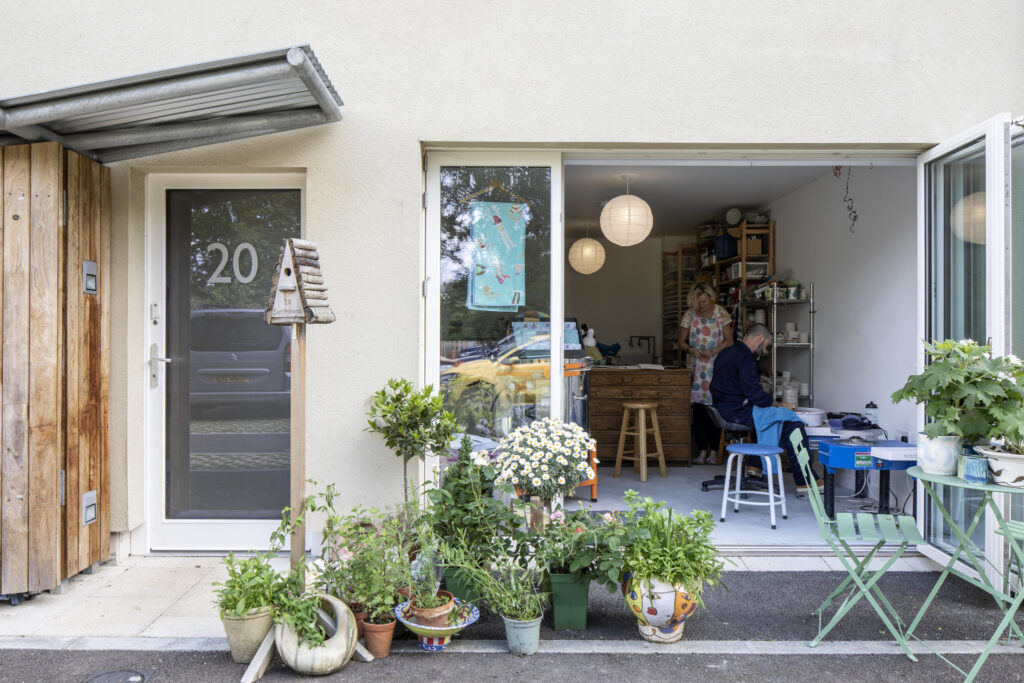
point(324, 659)
point(938, 455)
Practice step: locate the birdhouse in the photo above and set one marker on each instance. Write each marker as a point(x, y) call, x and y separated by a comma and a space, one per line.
point(299, 294)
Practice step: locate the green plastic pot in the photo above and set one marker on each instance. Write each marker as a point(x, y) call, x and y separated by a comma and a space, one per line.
point(454, 584)
point(569, 601)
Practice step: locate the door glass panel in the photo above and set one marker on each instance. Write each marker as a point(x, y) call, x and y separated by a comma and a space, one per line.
point(229, 381)
point(955, 226)
point(1017, 275)
point(495, 351)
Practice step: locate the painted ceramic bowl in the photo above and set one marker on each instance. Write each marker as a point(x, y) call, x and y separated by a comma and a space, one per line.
point(437, 638)
point(1007, 468)
point(660, 608)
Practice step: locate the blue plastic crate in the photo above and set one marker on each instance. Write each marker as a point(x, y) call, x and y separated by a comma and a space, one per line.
point(725, 247)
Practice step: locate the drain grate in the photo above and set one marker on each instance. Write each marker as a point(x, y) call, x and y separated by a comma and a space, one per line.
point(125, 676)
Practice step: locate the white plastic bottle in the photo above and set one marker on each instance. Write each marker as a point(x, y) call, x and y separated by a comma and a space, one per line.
point(871, 412)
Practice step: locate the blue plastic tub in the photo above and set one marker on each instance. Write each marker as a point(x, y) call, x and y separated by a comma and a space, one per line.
point(725, 247)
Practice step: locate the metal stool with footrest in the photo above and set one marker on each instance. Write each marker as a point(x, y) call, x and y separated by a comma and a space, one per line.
point(732, 432)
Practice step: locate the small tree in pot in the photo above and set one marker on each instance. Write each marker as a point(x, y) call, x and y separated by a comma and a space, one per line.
point(413, 423)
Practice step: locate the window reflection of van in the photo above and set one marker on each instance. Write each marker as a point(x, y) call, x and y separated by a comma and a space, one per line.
point(235, 357)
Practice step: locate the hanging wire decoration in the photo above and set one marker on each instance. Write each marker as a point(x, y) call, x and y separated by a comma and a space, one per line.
point(837, 171)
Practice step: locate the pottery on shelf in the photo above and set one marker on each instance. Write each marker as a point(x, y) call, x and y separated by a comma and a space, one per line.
point(660, 608)
point(437, 638)
point(938, 455)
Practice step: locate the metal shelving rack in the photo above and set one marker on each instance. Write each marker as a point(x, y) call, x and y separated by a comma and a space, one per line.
point(773, 305)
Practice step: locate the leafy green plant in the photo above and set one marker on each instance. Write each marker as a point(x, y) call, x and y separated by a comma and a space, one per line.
point(969, 393)
point(508, 588)
point(297, 608)
point(465, 502)
point(652, 541)
point(570, 544)
point(251, 584)
point(413, 423)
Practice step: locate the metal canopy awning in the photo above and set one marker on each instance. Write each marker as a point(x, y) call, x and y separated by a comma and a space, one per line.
point(178, 108)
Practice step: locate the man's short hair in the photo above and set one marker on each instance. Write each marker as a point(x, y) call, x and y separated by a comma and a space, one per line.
point(758, 329)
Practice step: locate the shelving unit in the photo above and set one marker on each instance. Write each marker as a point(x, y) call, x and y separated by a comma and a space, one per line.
point(678, 273)
point(773, 306)
point(719, 270)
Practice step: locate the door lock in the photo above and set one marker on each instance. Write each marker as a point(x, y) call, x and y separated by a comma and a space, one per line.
point(155, 361)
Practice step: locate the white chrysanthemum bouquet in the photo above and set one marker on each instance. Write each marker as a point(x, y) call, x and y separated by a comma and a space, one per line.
point(546, 457)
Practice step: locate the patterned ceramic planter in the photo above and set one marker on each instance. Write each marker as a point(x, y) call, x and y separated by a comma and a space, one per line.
point(660, 608)
point(939, 455)
point(1007, 468)
point(972, 469)
point(437, 638)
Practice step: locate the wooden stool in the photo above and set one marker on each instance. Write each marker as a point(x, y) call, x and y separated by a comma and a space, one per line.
point(639, 453)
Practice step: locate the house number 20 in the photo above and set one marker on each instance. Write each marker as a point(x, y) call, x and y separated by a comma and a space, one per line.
point(254, 263)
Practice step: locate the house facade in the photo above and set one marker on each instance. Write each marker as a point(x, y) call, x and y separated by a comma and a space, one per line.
point(431, 88)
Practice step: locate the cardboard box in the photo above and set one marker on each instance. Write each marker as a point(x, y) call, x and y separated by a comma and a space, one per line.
point(755, 246)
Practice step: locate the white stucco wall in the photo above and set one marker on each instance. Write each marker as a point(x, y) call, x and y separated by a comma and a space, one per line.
point(596, 73)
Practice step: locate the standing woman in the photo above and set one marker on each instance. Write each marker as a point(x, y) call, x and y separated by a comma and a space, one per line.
point(706, 329)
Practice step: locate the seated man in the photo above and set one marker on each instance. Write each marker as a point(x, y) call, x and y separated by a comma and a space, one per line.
point(736, 389)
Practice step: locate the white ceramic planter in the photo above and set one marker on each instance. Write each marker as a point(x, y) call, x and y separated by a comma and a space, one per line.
point(327, 658)
point(938, 455)
point(660, 608)
point(1007, 468)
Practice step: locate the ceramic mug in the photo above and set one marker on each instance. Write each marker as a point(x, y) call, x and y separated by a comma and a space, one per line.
point(804, 337)
point(790, 327)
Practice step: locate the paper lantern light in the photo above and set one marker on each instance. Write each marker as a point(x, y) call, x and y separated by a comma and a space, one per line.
point(586, 255)
point(627, 219)
point(968, 218)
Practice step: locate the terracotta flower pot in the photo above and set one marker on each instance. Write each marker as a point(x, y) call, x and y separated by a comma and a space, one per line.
point(433, 616)
point(378, 638)
point(359, 612)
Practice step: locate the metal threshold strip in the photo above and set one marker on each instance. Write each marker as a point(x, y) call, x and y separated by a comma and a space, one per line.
point(181, 108)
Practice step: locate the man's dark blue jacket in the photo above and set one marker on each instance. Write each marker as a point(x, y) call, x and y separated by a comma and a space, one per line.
point(736, 386)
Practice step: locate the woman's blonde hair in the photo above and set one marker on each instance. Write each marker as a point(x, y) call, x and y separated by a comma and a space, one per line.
point(696, 291)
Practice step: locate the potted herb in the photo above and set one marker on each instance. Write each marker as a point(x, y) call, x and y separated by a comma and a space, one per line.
point(544, 459)
point(968, 396)
point(300, 634)
point(413, 423)
point(509, 587)
point(465, 503)
point(569, 549)
point(663, 560)
point(246, 600)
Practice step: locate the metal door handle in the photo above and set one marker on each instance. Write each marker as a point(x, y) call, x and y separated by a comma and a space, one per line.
point(160, 360)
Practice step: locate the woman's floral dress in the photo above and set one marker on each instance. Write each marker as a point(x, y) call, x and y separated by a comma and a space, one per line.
point(705, 335)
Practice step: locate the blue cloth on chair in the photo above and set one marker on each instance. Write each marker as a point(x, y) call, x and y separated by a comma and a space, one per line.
point(769, 422)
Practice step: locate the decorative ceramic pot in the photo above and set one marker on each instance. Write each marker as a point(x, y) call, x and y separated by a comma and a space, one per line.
point(378, 638)
point(972, 469)
point(436, 638)
point(660, 608)
point(324, 659)
point(433, 616)
point(938, 455)
point(245, 633)
point(1007, 468)
point(523, 637)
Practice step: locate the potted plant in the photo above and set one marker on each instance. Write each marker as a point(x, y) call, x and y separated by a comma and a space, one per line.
point(663, 560)
point(569, 549)
point(464, 502)
point(965, 391)
point(300, 635)
point(246, 600)
point(545, 458)
point(509, 586)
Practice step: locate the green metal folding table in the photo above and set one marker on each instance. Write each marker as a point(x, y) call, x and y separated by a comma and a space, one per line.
point(966, 549)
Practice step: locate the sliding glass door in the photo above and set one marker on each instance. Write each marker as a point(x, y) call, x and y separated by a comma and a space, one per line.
point(963, 262)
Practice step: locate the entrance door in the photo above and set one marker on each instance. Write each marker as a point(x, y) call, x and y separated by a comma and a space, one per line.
point(963, 261)
point(219, 376)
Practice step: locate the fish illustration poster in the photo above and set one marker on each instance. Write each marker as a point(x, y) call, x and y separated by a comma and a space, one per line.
point(497, 277)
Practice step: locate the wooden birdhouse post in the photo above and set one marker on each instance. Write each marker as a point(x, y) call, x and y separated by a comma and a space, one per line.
point(298, 298)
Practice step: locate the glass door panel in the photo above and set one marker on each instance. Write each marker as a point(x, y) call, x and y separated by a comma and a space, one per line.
point(228, 388)
point(494, 353)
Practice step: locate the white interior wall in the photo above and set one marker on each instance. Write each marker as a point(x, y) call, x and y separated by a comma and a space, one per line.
point(621, 300)
point(865, 287)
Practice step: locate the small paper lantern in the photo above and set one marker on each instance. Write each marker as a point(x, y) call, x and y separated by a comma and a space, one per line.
point(586, 255)
point(627, 219)
point(968, 218)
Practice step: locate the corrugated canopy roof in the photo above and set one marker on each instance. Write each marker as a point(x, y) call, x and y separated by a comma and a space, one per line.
point(178, 108)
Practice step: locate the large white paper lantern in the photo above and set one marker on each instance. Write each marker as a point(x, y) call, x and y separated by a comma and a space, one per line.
point(627, 219)
point(968, 218)
point(586, 255)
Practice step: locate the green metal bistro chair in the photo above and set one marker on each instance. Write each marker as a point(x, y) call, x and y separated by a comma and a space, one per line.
point(882, 530)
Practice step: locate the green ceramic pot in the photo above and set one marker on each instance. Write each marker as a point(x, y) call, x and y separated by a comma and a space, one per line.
point(454, 584)
point(569, 601)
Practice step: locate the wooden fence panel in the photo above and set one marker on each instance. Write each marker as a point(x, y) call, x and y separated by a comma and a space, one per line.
point(44, 336)
point(15, 499)
point(73, 492)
